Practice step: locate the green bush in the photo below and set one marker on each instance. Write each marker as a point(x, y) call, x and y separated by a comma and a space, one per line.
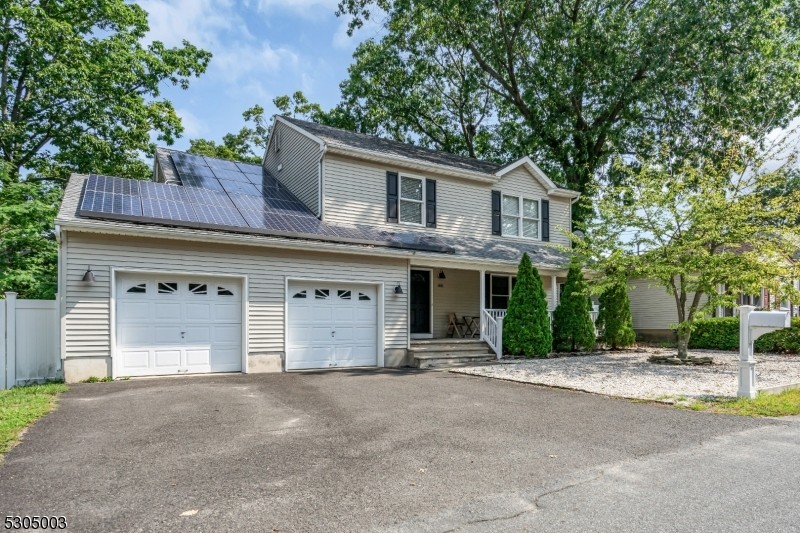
point(614, 320)
point(723, 334)
point(526, 327)
point(572, 323)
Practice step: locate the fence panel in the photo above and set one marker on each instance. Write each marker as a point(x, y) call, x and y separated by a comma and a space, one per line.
point(29, 341)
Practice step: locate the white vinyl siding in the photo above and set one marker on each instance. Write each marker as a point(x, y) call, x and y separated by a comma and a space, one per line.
point(355, 193)
point(87, 306)
point(299, 157)
point(652, 307)
point(459, 293)
point(520, 182)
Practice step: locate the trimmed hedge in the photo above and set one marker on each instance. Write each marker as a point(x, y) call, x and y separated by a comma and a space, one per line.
point(723, 334)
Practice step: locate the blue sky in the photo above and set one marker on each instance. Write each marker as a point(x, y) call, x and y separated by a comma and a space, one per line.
point(262, 49)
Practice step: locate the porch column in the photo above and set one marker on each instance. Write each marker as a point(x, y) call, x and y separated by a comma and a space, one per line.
point(483, 292)
point(553, 292)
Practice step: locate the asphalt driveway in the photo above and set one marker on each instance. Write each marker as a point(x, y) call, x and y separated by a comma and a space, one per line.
point(339, 451)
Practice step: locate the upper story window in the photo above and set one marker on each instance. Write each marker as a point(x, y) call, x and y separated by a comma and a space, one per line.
point(521, 217)
point(411, 200)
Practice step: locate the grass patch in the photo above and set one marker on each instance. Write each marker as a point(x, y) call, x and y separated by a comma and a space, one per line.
point(784, 404)
point(95, 379)
point(22, 406)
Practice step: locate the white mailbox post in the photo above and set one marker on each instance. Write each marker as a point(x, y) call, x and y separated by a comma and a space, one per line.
point(752, 325)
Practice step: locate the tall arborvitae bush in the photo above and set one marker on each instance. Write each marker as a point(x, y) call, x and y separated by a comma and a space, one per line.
point(573, 329)
point(526, 328)
point(614, 320)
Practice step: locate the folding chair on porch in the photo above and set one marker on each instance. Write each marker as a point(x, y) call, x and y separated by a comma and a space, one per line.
point(456, 326)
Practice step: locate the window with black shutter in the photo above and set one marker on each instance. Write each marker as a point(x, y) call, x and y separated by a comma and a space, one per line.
point(496, 214)
point(545, 220)
point(391, 197)
point(430, 203)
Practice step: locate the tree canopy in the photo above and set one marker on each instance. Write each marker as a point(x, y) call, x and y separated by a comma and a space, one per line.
point(79, 91)
point(570, 82)
point(693, 221)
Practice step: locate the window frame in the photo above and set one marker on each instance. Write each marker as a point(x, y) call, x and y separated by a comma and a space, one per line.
point(512, 280)
point(520, 216)
point(422, 202)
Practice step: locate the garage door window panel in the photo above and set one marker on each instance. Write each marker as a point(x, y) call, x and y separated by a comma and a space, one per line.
point(170, 287)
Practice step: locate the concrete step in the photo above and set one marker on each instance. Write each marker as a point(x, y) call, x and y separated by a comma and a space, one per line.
point(478, 346)
point(447, 340)
point(450, 360)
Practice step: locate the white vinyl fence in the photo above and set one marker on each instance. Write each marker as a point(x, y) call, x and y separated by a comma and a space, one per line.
point(29, 341)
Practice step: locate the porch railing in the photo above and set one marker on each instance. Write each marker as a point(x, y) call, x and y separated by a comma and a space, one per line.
point(492, 329)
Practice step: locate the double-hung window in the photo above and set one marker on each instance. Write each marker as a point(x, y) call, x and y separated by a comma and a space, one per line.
point(521, 217)
point(412, 198)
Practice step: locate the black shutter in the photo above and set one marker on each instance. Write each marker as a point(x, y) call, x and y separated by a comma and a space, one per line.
point(496, 222)
point(391, 197)
point(545, 220)
point(430, 203)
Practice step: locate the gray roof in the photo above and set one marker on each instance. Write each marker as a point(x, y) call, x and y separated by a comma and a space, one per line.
point(336, 136)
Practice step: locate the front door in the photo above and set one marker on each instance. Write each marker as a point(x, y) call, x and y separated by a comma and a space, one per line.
point(420, 302)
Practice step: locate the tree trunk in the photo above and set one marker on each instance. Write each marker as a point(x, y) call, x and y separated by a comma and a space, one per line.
point(683, 344)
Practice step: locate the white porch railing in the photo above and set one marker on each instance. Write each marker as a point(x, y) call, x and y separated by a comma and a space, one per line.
point(492, 329)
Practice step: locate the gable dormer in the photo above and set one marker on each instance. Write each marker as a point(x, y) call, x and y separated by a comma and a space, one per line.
point(526, 204)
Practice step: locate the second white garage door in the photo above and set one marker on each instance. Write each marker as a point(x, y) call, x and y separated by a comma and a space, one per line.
point(331, 326)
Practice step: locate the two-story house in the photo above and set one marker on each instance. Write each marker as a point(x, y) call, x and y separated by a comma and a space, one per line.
point(341, 250)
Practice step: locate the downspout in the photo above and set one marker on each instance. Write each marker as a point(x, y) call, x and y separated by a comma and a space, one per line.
point(61, 291)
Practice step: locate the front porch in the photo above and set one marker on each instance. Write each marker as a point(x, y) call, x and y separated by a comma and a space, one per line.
point(454, 310)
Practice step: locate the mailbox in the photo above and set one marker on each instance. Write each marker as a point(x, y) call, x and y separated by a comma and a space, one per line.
point(752, 325)
point(769, 319)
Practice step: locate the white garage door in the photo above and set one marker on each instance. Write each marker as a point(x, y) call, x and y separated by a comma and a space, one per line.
point(331, 326)
point(176, 325)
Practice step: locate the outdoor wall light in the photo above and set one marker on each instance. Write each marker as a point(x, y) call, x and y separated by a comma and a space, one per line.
point(398, 289)
point(88, 277)
point(441, 274)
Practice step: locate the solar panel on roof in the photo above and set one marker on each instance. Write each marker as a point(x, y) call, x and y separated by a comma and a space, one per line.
point(232, 175)
point(173, 193)
point(96, 182)
point(167, 210)
point(219, 215)
point(201, 182)
point(237, 187)
point(256, 179)
point(221, 164)
point(202, 196)
point(249, 168)
point(110, 203)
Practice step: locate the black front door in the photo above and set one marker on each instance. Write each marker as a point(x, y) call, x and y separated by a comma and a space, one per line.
point(420, 303)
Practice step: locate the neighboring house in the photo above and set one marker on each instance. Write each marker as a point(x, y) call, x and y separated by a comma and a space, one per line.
point(341, 250)
point(655, 311)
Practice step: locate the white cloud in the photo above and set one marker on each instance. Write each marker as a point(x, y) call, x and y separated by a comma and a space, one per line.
point(242, 60)
point(192, 125)
point(306, 8)
point(198, 21)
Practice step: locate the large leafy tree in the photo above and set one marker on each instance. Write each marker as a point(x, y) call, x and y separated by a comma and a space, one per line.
point(79, 91)
point(246, 145)
point(691, 221)
point(28, 251)
point(575, 81)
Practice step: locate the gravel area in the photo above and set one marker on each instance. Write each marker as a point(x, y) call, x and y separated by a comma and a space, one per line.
point(627, 374)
